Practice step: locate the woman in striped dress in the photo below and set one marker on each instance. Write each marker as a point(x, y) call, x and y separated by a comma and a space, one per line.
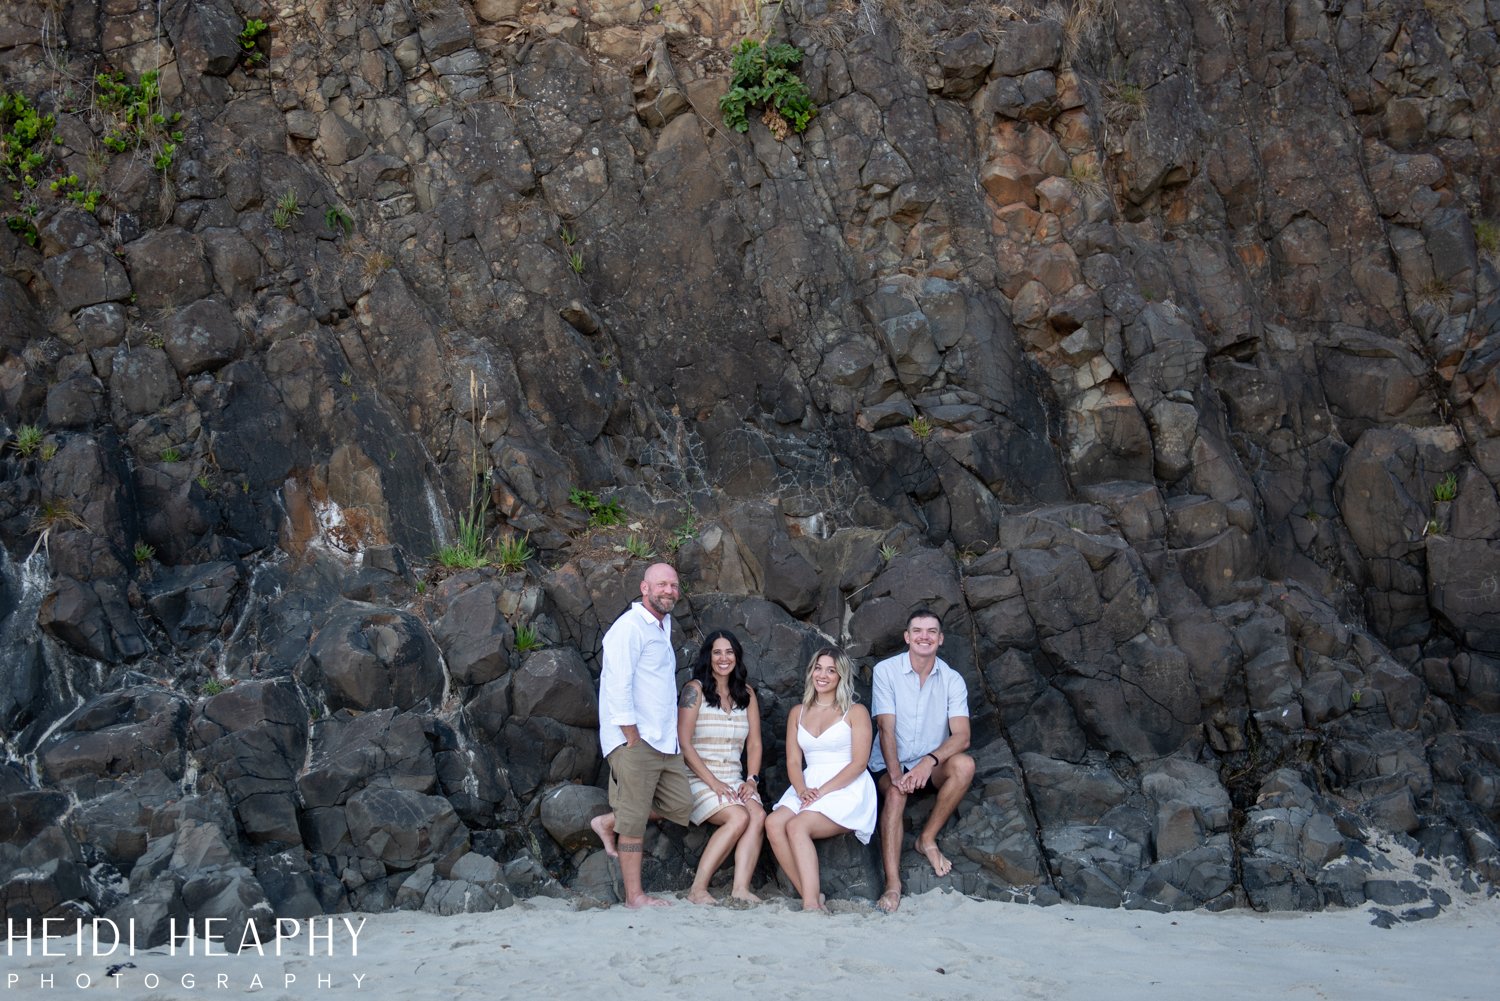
point(718, 721)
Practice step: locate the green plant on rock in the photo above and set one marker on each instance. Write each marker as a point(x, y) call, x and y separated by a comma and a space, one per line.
point(686, 530)
point(213, 686)
point(70, 188)
point(250, 53)
point(1487, 237)
point(575, 261)
point(527, 640)
point(639, 548)
point(139, 119)
point(1445, 489)
point(889, 551)
point(339, 221)
point(28, 439)
point(143, 552)
point(514, 553)
point(25, 147)
point(761, 76)
point(602, 513)
point(47, 451)
point(171, 454)
point(921, 427)
point(287, 209)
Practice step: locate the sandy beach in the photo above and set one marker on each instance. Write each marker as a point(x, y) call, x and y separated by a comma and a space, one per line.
point(938, 945)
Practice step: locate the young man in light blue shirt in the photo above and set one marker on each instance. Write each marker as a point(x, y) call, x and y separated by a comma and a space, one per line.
point(921, 708)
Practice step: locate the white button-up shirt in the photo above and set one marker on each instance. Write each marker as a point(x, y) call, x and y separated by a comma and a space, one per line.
point(922, 711)
point(638, 682)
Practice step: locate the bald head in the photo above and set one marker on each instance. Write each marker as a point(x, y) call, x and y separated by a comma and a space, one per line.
point(659, 589)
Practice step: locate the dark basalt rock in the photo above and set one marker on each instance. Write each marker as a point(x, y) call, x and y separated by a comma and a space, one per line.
point(1189, 432)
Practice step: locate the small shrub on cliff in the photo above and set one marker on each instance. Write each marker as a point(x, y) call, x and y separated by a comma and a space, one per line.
point(602, 513)
point(138, 117)
point(761, 76)
point(1446, 489)
point(25, 136)
point(249, 42)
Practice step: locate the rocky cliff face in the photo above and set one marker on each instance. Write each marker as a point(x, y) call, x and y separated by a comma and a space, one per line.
point(1153, 345)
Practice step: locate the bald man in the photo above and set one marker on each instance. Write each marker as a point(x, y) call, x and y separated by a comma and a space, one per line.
point(638, 729)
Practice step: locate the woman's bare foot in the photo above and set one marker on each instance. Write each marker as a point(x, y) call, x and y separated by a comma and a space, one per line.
point(646, 900)
point(746, 896)
point(889, 901)
point(604, 826)
point(697, 896)
point(940, 864)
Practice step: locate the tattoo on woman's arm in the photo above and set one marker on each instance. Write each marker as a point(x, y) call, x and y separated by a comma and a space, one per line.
point(689, 697)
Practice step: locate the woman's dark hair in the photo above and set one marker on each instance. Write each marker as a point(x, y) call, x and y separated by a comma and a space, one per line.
point(703, 672)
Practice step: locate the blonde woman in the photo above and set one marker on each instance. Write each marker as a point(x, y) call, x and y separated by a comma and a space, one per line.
point(828, 739)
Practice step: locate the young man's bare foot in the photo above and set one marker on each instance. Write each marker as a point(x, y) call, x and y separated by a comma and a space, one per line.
point(889, 901)
point(940, 864)
point(646, 900)
point(701, 897)
point(604, 827)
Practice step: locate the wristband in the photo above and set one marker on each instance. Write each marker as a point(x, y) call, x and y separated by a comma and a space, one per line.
point(936, 761)
point(753, 778)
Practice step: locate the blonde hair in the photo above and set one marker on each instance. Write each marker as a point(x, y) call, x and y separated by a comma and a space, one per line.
point(843, 696)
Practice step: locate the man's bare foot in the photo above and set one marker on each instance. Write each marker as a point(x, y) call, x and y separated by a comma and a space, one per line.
point(940, 864)
point(889, 901)
point(701, 897)
point(604, 826)
point(746, 896)
point(646, 900)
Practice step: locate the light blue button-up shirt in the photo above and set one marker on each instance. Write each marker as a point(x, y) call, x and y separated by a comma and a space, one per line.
point(922, 711)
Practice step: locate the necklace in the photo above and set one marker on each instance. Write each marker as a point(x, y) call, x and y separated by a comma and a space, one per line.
point(825, 705)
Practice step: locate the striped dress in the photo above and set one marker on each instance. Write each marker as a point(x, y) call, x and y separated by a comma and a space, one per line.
point(719, 739)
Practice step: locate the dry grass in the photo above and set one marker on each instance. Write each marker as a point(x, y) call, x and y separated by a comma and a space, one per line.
point(1433, 292)
point(1088, 22)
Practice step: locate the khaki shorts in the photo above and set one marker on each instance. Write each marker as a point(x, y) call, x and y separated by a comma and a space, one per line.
point(643, 779)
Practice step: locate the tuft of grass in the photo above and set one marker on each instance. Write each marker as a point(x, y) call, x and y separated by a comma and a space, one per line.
point(47, 451)
point(527, 640)
point(514, 553)
point(28, 439)
point(171, 454)
point(287, 209)
point(143, 552)
point(921, 427)
point(1445, 489)
point(1086, 177)
point(213, 686)
point(1434, 292)
point(339, 221)
point(889, 551)
point(55, 514)
point(575, 261)
point(639, 548)
point(686, 531)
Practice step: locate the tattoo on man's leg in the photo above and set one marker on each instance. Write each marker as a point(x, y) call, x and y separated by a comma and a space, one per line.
point(630, 848)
